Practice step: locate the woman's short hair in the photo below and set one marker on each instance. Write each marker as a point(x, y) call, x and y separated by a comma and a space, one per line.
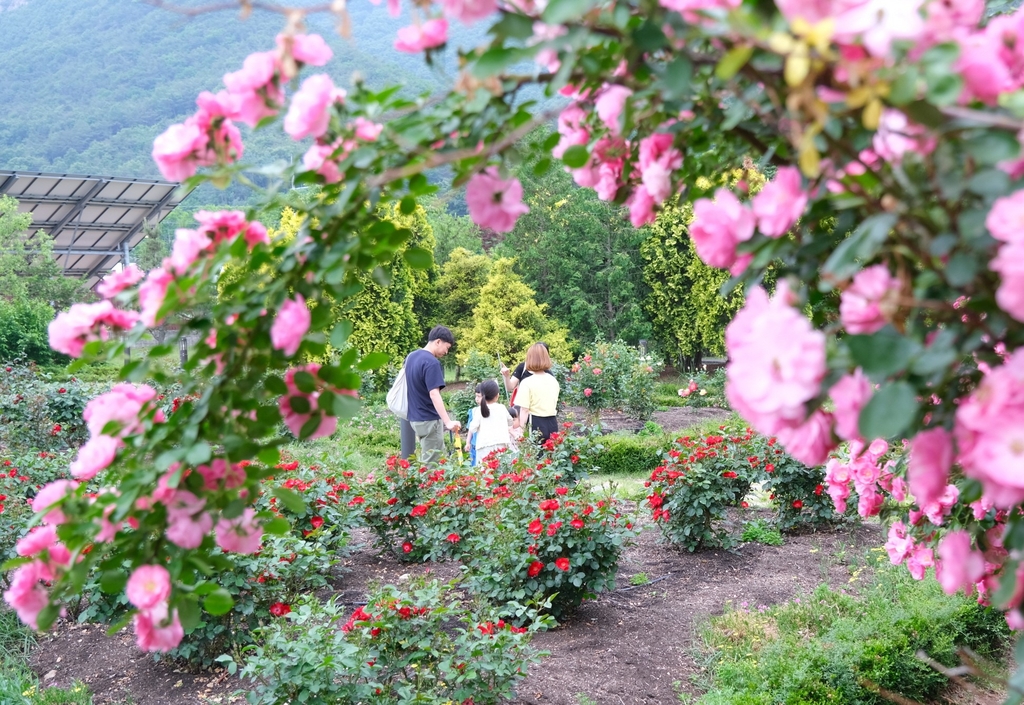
point(537, 358)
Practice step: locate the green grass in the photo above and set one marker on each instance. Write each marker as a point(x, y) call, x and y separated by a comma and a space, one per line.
point(826, 647)
point(361, 444)
point(18, 684)
point(759, 531)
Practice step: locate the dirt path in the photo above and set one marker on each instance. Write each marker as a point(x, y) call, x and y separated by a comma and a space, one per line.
point(635, 645)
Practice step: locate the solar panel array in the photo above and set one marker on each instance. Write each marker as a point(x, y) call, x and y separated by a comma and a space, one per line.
point(93, 220)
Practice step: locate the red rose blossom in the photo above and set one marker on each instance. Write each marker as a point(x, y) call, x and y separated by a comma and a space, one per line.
point(562, 564)
point(407, 547)
point(797, 504)
point(535, 568)
point(280, 609)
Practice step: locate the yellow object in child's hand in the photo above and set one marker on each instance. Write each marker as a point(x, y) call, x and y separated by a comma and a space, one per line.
point(458, 447)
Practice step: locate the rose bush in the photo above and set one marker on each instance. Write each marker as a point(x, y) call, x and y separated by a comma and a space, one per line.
point(612, 376)
point(412, 644)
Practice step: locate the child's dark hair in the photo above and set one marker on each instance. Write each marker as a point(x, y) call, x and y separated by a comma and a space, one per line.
point(488, 389)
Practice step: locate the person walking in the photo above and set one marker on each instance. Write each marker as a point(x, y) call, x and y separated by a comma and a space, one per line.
point(537, 395)
point(491, 422)
point(425, 380)
point(513, 379)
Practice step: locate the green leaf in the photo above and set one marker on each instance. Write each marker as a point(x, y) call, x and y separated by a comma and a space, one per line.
point(305, 381)
point(345, 406)
point(407, 205)
point(277, 527)
point(889, 412)
point(188, 613)
point(199, 453)
point(992, 146)
point(649, 37)
point(882, 354)
point(923, 112)
point(735, 59)
point(269, 456)
point(218, 602)
point(339, 336)
point(292, 501)
point(276, 385)
point(861, 246)
point(495, 60)
point(944, 89)
point(419, 258)
point(561, 11)
point(961, 269)
point(576, 156)
point(904, 88)
point(112, 582)
point(373, 361)
point(676, 80)
point(989, 182)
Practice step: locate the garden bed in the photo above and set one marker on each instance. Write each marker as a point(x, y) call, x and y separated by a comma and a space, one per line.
point(635, 645)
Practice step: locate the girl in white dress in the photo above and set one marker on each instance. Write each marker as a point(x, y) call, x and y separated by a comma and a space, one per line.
point(491, 423)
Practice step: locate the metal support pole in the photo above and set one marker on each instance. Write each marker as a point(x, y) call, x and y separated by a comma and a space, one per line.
point(183, 349)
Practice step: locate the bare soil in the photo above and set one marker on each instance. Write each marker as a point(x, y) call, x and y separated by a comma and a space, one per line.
point(639, 644)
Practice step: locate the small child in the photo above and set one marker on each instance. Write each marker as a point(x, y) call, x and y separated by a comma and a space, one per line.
point(470, 436)
point(492, 423)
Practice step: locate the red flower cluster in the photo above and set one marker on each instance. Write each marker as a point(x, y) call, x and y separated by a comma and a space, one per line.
point(280, 609)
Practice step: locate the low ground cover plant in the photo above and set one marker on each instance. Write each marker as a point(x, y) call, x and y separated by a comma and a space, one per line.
point(831, 646)
point(415, 644)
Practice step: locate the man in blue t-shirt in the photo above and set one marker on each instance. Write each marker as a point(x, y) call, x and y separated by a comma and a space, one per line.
point(424, 378)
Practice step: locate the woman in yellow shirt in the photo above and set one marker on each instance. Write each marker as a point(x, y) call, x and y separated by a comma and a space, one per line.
point(537, 397)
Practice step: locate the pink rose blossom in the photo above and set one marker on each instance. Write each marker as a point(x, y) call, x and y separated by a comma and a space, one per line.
point(610, 103)
point(188, 524)
point(959, 565)
point(658, 159)
point(776, 361)
point(469, 11)
point(981, 67)
point(1005, 221)
point(897, 135)
point(175, 149)
point(148, 586)
point(899, 546)
point(493, 202)
point(420, 37)
point(931, 457)
point(122, 404)
point(243, 534)
point(40, 539)
point(256, 87)
point(641, 207)
point(256, 234)
point(82, 323)
point(50, 495)
point(219, 473)
point(989, 432)
point(367, 130)
point(97, 454)
point(310, 112)
point(310, 49)
point(318, 158)
point(1009, 265)
point(188, 244)
point(116, 282)
point(919, 561)
point(850, 394)
point(810, 442)
point(26, 594)
point(221, 226)
point(290, 325)
point(868, 303)
point(936, 511)
point(944, 18)
point(572, 129)
point(295, 420)
point(158, 630)
point(780, 203)
point(718, 226)
point(689, 8)
point(152, 295)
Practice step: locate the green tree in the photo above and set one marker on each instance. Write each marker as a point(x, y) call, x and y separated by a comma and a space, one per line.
point(451, 232)
point(507, 320)
point(581, 256)
point(688, 312)
point(462, 278)
point(28, 269)
point(152, 250)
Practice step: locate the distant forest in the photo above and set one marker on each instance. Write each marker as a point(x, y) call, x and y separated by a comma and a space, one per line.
point(87, 85)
